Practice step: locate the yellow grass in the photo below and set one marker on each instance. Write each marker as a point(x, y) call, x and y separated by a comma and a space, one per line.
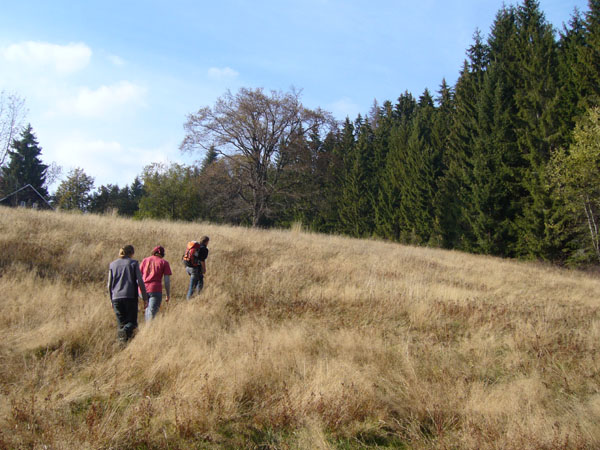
point(298, 341)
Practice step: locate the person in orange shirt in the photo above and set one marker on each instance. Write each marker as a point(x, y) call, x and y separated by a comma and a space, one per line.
point(154, 268)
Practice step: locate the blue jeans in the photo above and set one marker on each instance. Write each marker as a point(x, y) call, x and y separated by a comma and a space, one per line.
point(154, 301)
point(196, 281)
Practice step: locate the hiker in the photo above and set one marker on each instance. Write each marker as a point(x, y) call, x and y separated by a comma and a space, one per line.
point(124, 280)
point(154, 268)
point(195, 260)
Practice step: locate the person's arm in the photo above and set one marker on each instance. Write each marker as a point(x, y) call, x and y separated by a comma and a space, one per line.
point(141, 285)
point(203, 265)
point(168, 287)
point(109, 284)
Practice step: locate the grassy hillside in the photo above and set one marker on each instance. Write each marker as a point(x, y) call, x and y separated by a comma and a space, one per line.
point(298, 341)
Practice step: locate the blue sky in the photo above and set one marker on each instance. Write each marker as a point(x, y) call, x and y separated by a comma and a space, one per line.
point(108, 84)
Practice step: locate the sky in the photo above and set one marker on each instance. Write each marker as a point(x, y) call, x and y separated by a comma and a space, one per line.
point(108, 84)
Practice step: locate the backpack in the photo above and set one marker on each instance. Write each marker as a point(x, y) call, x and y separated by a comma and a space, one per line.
point(189, 258)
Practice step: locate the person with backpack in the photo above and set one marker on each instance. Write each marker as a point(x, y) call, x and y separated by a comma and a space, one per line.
point(124, 281)
point(195, 262)
point(154, 268)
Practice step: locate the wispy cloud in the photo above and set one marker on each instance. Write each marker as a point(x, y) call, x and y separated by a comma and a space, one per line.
point(104, 100)
point(63, 59)
point(344, 107)
point(116, 60)
point(107, 160)
point(225, 73)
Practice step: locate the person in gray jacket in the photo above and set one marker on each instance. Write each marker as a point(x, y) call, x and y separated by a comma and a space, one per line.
point(124, 280)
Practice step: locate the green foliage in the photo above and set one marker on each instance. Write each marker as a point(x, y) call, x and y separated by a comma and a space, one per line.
point(537, 129)
point(588, 57)
point(74, 193)
point(211, 156)
point(355, 202)
point(110, 199)
point(575, 177)
point(389, 223)
point(170, 192)
point(419, 172)
point(457, 183)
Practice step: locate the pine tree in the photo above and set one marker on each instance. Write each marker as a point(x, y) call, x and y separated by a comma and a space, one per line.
point(418, 177)
point(538, 133)
point(494, 166)
point(210, 157)
point(25, 167)
point(456, 184)
point(107, 198)
point(356, 212)
point(572, 91)
point(588, 66)
point(387, 211)
point(326, 189)
point(442, 200)
point(381, 142)
point(495, 182)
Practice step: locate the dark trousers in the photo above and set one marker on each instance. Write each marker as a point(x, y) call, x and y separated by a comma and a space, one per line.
point(126, 310)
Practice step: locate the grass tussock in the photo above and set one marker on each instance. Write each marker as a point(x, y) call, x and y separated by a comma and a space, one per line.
point(298, 341)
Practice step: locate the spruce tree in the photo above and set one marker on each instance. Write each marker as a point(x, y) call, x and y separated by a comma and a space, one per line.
point(356, 213)
point(588, 66)
point(326, 188)
point(210, 157)
point(388, 221)
point(381, 142)
point(442, 200)
point(417, 177)
point(537, 131)
point(495, 182)
point(25, 167)
point(456, 184)
point(572, 91)
point(495, 163)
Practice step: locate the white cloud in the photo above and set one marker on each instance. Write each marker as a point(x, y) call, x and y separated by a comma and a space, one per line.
point(64, 59)
point(106, 160)
point(344, 107)
point(104, 100)
point(225, 73)
point(116, 60)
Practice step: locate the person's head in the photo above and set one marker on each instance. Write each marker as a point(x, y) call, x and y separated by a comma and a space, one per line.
point(204, 240)
point(158, 251)
point(127, 251)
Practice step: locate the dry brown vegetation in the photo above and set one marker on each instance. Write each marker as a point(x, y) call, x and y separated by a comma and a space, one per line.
point(298, 341)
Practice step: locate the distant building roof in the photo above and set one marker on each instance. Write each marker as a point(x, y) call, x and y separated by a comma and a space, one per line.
point(44, 203)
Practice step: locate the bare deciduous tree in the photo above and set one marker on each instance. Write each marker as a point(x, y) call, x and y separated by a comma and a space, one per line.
point(12, 118)
point(260, 131)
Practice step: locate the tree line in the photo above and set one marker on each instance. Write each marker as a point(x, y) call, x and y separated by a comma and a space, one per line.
point(505, 162)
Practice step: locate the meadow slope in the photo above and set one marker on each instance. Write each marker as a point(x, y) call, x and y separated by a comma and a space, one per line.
point(298, 341)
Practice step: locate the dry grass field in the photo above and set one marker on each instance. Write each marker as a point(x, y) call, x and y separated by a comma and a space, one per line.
point(299, 341)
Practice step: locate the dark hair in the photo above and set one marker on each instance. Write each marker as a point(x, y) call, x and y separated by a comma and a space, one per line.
point(204, 240)
point(126, 251)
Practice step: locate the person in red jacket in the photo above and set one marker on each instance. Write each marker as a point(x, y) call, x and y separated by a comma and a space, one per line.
point(154, 268)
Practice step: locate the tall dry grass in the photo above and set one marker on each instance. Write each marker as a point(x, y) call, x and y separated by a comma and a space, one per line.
point(298, 341)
